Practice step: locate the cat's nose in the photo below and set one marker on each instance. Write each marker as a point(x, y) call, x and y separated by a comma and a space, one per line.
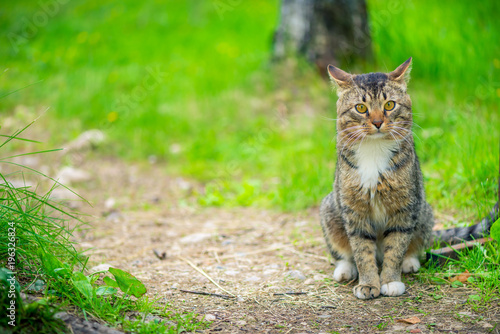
point(378, 123)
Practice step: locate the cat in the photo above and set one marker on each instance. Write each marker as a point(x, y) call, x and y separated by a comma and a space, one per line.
point(377, 212)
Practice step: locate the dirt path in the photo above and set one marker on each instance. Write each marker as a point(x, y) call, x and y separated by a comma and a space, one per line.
point(274, 264)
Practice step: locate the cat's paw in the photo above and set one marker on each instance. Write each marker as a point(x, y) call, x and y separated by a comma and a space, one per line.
point(392, 289)
point(366, 291)
point(410, 265)
point(345, 271)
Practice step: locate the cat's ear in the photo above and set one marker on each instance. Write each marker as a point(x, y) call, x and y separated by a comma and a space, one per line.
point(341, 78)
point(402, 73)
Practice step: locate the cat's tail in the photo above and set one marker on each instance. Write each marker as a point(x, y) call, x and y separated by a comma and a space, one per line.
point(459, 234)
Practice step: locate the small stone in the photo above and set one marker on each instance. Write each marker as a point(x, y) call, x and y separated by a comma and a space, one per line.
point(484, 324)
point(62, 194)
point(110, 203)
point(296, 274)
point(269, 272)
point(241, 323)
point(114, 216)
point(195, 238)
point(309, 281)
point(86, 140)
point(37, 286)
point(253, 279)
point(69, 175)
point(319, 277)
point(324, 316)
point(209, 317)
point(227, 242)
point(154, 318)
point(232, 272)
point(100, 267)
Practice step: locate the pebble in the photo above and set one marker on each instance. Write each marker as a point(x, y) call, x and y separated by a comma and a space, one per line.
point(100, 267)
point(195, 238)
point(319, 277)
point(86, 140)
point(269, 272)
point(252, 279)
point(70, 175)
point(109, 203)
point(232, 272)
point(37, 286)
point(114, 216)
point(62, 194)
point(210, 317)
point(309, 281)
point(296, 274)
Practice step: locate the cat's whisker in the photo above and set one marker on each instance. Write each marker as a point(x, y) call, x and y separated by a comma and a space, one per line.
point(349, 128)
point(405, 137)
point(351, 139)
point(413, 132)
point(328, 118)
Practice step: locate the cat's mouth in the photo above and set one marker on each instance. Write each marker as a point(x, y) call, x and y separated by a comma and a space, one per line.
point(378, 134)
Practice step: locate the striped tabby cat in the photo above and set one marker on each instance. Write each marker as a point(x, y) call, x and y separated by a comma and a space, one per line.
point(377, 212)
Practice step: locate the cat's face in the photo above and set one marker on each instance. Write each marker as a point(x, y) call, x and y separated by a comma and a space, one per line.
point(372, 106)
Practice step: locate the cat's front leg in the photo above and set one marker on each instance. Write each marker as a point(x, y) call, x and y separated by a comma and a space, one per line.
point(363, 243)
point(397, 238)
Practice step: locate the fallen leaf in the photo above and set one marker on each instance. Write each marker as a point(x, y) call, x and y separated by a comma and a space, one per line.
point(461, 277)
point(415, 330)
point(410, 320)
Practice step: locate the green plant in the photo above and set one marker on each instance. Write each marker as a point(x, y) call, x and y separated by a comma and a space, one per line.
point(36, 253)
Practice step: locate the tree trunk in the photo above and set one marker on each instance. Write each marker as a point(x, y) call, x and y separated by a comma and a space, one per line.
point(324, 31)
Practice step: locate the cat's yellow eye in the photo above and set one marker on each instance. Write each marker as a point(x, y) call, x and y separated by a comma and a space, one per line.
point(389, 105)
point(361, 108)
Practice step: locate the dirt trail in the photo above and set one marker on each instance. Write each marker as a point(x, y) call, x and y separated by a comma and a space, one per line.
point(257, 256)
point(274, 264)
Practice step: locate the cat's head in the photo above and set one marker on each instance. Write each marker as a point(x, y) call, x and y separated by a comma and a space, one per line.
point(373, 105)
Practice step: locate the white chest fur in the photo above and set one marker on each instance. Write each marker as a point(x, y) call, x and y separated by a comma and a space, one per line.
point(373, 157)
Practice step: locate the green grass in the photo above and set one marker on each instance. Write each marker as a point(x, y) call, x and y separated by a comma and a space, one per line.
point(37, 255)
point(483, 262)
point(252, 132)
point(195, 88)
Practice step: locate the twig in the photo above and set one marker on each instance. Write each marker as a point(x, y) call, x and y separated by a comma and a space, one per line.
point(216, 257)
point(206, 275)
point(289, 293)
point(161, 256)
point(207, 294)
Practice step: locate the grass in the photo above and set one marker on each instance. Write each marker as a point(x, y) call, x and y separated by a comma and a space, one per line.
point(37, 255)
point(200, 94)
point(194, 87)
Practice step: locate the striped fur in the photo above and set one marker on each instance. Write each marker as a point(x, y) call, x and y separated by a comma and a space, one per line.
point(377, 215)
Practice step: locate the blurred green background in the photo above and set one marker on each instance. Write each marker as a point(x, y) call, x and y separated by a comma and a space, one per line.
point(195, 87)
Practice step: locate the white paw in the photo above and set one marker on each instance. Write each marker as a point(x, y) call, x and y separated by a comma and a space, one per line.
point(393, 289)
point(344, 271)
point(410, 265)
